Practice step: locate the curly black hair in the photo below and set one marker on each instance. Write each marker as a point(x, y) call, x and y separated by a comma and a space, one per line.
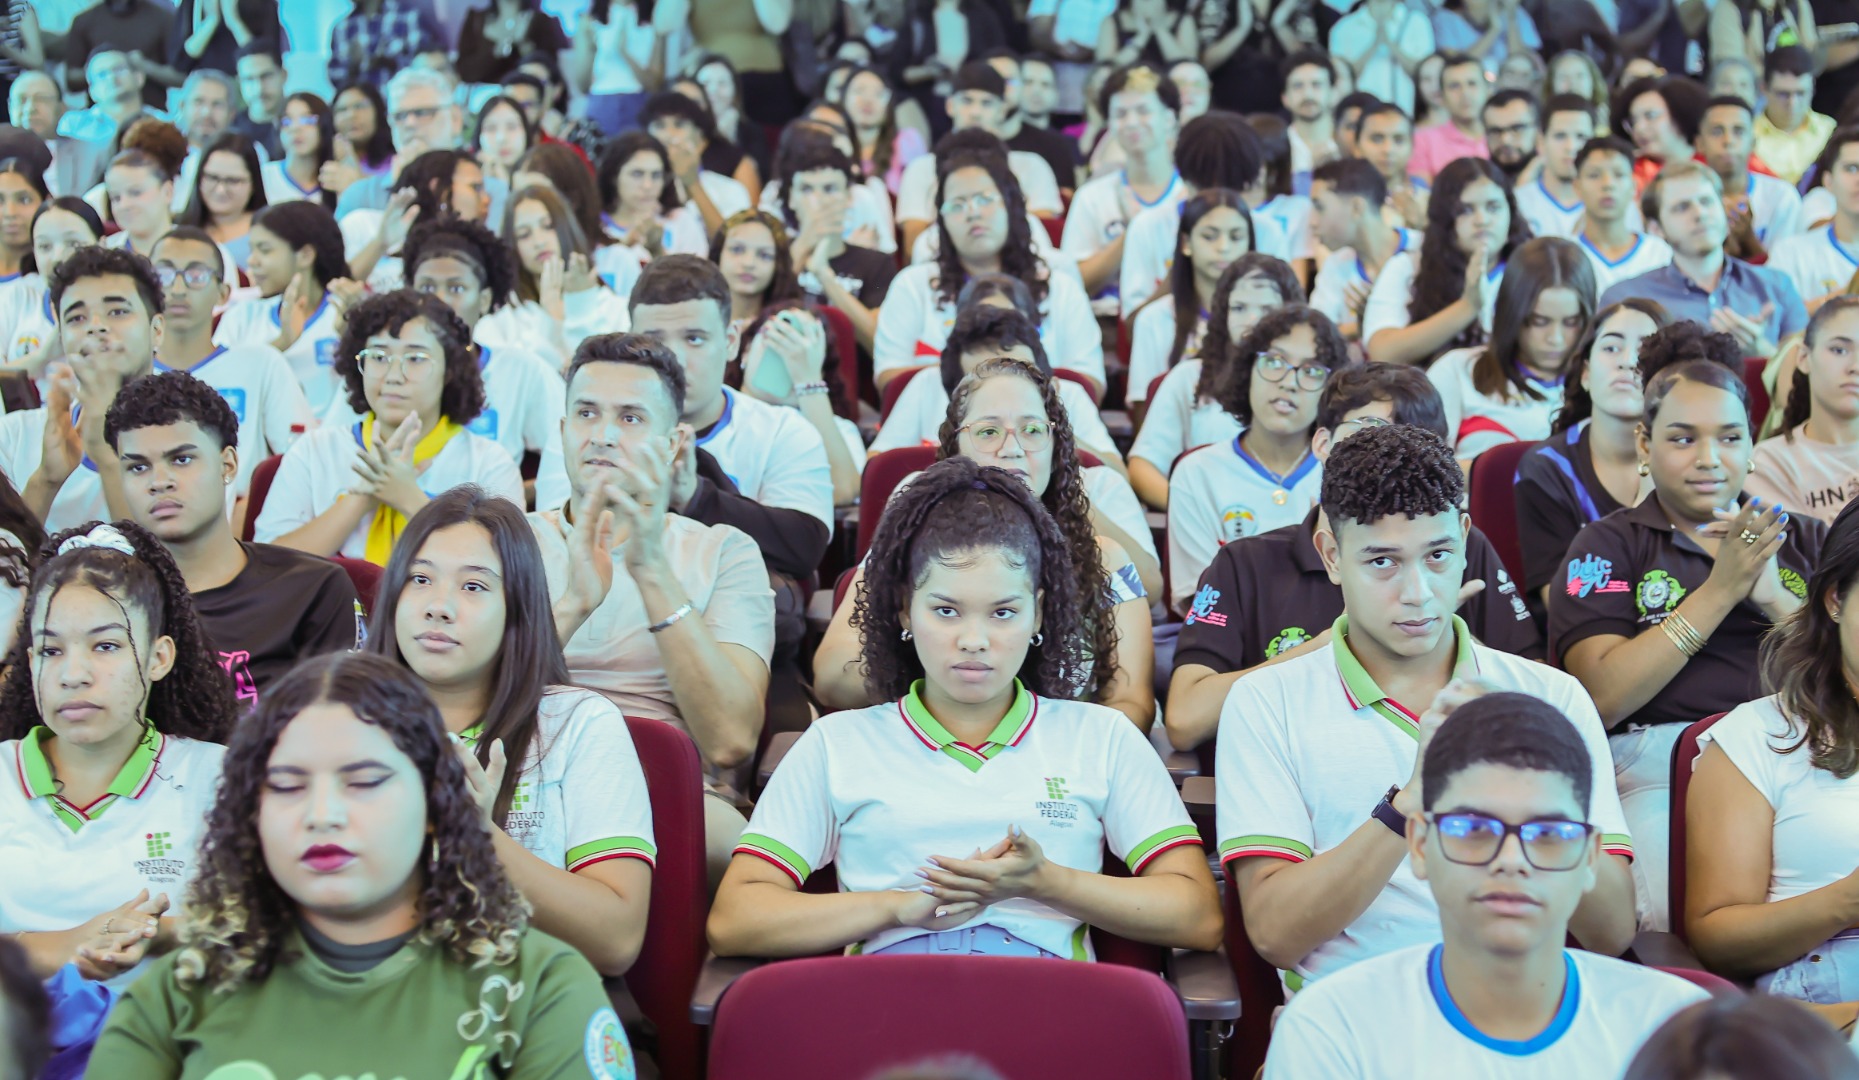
point(463, 397)
point(1577, 403)
point(237, 918)
point(1439, 277)
point(194, 701)
point(1064, 499)
point(1687, 351)
point(1217, 347)
point(28, 1013)
point(1383, 471)
point(988, 326)
point(622, 150)
point(18, 559)
point(95, 260)
point(170, 397)
point(1018, 257)
point(1234, 391)
point(953, 507)
point(469, 243)
point(301, 223)
point(1800, 396)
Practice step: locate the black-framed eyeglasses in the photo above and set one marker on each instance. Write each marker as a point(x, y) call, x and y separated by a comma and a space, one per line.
point(400, 118)
point(1476, 839)
point(194, 275)
point(1273, 367)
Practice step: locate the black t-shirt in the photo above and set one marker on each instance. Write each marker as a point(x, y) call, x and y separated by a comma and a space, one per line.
point(1628, 571)
point(1059, 150)
point(1558, 493)
point(865, 273)
point(1267, 593)
point(283, 607)
point(265, 135)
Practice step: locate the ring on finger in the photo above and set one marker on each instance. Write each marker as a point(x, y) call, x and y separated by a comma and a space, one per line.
point(1749, 537)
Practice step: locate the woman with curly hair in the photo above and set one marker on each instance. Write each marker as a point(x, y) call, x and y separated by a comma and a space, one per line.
point(307, 130)
point(752, 251)
point(1184, 412)
point(464, 606)
point(350, 886)
point(1443, 297)
point(560, 300)
point(297, 265)
point(982, 228)
point(228, 191)
point(1007, 413)
point(406, 362)
point(1268, 477)
point(977, 645)
point(1662, 607)
point(111, 709)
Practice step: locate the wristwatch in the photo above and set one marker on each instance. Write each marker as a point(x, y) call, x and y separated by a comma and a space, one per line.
point(1385, 813)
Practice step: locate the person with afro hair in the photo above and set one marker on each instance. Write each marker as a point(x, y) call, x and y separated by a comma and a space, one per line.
point(1311, 834)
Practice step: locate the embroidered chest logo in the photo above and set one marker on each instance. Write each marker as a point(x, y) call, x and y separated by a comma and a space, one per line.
point(158, 844)
point(1055, 809)
point(1590, 574)
point(1658, 593)
point(1203, 608)
point(1288, 638)
point(523, 821)
point(157, 866)
point(1237, 522)
point(1793, 583)
point(604, 1048)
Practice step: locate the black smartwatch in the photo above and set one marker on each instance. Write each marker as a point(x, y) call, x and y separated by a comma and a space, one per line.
point(1385, 813)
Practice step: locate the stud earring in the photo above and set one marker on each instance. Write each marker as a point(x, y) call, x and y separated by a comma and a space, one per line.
point(1752, 467)
point(1645, 469)
point(1038, 640)
point(905, 636)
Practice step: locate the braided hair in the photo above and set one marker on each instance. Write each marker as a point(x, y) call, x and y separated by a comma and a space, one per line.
point(956, 507)
point(469, 243)
point(194, 700)
point(1217, 345)
point(1018, 257)
point(1064, 499)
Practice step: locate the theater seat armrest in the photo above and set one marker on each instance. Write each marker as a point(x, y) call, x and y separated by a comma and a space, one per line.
point(1197, 792)
point(1182, 764)
point(778, 746)
point(1656, 948)
point(1205, 984)
point(716, 976)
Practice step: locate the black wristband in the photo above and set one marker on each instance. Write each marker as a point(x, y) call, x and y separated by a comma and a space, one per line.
point(1385, 813)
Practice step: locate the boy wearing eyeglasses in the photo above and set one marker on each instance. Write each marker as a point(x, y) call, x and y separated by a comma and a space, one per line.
point(1506, 844)
point(1269, 599)
point(1318, 761)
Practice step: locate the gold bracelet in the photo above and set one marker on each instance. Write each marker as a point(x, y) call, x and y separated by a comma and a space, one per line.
point(1682, 634)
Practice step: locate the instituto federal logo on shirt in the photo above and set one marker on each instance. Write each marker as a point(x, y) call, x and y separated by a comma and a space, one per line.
point(157, 866)
point(1658, 593)
point(1055, 808)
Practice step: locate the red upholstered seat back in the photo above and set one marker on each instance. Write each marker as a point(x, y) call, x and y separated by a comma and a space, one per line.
point(665, 974)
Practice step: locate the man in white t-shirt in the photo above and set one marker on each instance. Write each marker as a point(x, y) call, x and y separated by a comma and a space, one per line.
point(668, 617)
point(1141, 108)
point(1501, 996)
point(1763, 209)
point(1346, 197)
point(1822, 262)
point(1218, 149)
point(1318, 759)
point(1607, 234)
point(1550, 203)
point(977, 99)
point(685, 128)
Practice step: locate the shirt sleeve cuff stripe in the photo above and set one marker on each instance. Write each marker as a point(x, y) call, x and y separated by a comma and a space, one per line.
point(613, 846)
point(1180, 841)
point(778, 853)
point(1617, 844)
point(642, 856)
point(1175, 836)
point(1277, 847)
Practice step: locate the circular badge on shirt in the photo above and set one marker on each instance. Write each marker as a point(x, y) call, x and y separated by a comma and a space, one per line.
point(605, 1048)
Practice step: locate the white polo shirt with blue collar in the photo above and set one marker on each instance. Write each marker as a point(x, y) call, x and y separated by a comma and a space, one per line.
point(524, 399)
point(257, 382)
point(1647, 253)
point(1344, 268)
point(1545, 214)
point(1816, 261)
point(878, 791)
point(312, 356)
point(1219, 494)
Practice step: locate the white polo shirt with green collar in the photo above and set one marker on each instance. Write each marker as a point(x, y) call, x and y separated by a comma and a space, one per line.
point(877, 791)
point(1308, 747)
point(61, 863)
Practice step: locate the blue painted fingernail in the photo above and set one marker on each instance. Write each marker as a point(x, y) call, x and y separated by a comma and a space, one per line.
point(1784, 519)
point(1755, 502)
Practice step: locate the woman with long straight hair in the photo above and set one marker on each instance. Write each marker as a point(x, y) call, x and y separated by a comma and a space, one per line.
point(308, 131)
point(870, 102)
point(228, 190)
point(560, 299)
point(640, 201)
point(1811, 463)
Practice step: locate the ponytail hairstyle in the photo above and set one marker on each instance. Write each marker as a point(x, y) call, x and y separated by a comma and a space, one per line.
point(194, 701)
point(1018, 257)
point(953, 508)
point(1686, 351)
point(1540, 264)
point(1234, 391)
point(1181, 290)
point(469, 243)
point(1217, 346)
point(1577, 405)
point(1439, 277)
point(1800, 395)
point(300, 224)
point(1065, 500)
point(1803, 663)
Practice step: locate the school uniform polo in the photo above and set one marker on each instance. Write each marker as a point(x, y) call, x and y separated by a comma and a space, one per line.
point(914, 323)
point(1776, 207)
point(1342, 269)
point(1648, 253)
point(1625, 573)
point(1558, 494)
point(312, 356)
point(1152, 338)
point(22, 441)
point(1481, 421)
point(878, 791)
point(259, 386)
point(1150, 243)
point(1178, 422)
point(1546, 215)
point(1095, 217)
point(581, 798)
point(917, 191)
point(320, 468)
point(26, 319)
point(1394, 1017)
point(523, 324)
point(1291, 214)
point(281, 186)
point(916, 419)
point(69, 862)
point(1816, 261)
point(359, 228)
point(1269, 593)
point(523, 403)
point(1387, 307)
point(1308, 747)
point(1221, 493)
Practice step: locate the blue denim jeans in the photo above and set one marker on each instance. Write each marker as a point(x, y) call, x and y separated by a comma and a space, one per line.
point(1828, 974)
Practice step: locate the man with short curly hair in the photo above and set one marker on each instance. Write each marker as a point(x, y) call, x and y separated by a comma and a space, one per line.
point(1318, 757)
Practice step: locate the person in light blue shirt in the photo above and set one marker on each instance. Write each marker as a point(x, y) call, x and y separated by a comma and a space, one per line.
point(1683, 205)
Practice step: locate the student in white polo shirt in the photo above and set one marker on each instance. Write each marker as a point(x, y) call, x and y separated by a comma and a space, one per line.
point(464, 605)
point(1346, 197)
point(1610, 216)
point(298, 265)
point(349, 491)
point(28, 332)
point(1551, 203)
point(1214, 228)
point(981, 230)
point(256, 380)
point(1267, 477)
point(1502, 995)
point(559, 298)
point(1141, 107)
point(1318, 757)
point(1763, 209)
point(112, 710)
point(973, 644)
point(1823, 261)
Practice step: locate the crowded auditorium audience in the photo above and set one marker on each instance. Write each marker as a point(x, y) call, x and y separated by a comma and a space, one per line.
point(501, 500)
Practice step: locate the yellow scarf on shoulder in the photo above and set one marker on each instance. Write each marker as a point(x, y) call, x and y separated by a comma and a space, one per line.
point(388, 522)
